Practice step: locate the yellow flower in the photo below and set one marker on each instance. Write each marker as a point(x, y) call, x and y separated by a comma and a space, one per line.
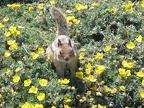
point(5, 19)
point(127, 73)
point(10, 42)
point(83, 49)
point(128, 64)
point(66, 106)
point(142, 82)
point(43, 82)
point(53, 107)
point(40, 50)
point(39, 106)
point(126, 107)
point(33, 89)
point(107, 48)
point(7, 33)
point(67, 100)
point(78, 6)
point(122, 88)
point(114, 90)
point(140, 74)
point(139, 38)
point(65, 81)
point(40, 13)
point(0, 96)
point(70, 18)
point(95, 4)
point(30, 8)
point(91, 78)
point(52, 2)
point(141, 93)
point(21, 27)
point(27, 82)
point(12, 28)
point(91, 59)
point(15, 5)
point(68, 11)
point(99, 55)
point(15, 32)
point(100, 69)
point(84, 7)
point(69, 23)
point(94, 88)
point(93, 106)
point(130, 45)
point(9, 5)
point(1, 26)
point(41, 96)
point(59, 81)
point(13, 46)
point(142, 5)
point(7, 54)
point(79, 75)
point(81, 56)
point(88, 68)
point(8, 71)
point(16, 78)
point(98, 94)
point(121, 71)
point(114, 10)
point(128, 6)
point(18, 69)
point(101, 106)
point(41, 6)
point(27, 105)
point(106, 89)
point(76, 21)
point(12, 90)
point(34, 55)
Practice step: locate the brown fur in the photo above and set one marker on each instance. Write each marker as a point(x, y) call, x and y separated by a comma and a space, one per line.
point(63, 51)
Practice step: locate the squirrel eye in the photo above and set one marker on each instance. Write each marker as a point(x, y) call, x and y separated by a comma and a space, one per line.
point(60, 53)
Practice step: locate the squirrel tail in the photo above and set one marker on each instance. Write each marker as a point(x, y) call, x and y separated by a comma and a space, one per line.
point(61, 21)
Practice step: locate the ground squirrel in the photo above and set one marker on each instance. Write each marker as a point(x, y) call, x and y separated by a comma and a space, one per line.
point(63, 51)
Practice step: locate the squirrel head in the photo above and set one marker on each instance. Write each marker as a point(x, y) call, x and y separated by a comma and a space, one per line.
point(65, 51)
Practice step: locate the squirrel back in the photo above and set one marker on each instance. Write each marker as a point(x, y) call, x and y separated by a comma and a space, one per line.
point(61, 21)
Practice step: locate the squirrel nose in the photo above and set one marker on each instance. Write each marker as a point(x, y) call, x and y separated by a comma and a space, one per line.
point(66, 58)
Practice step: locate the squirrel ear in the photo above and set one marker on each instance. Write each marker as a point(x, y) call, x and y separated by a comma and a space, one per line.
point(70, 43)
point(59, 43)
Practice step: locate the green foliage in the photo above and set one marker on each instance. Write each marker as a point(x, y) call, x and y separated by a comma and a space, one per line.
point(111, 60)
